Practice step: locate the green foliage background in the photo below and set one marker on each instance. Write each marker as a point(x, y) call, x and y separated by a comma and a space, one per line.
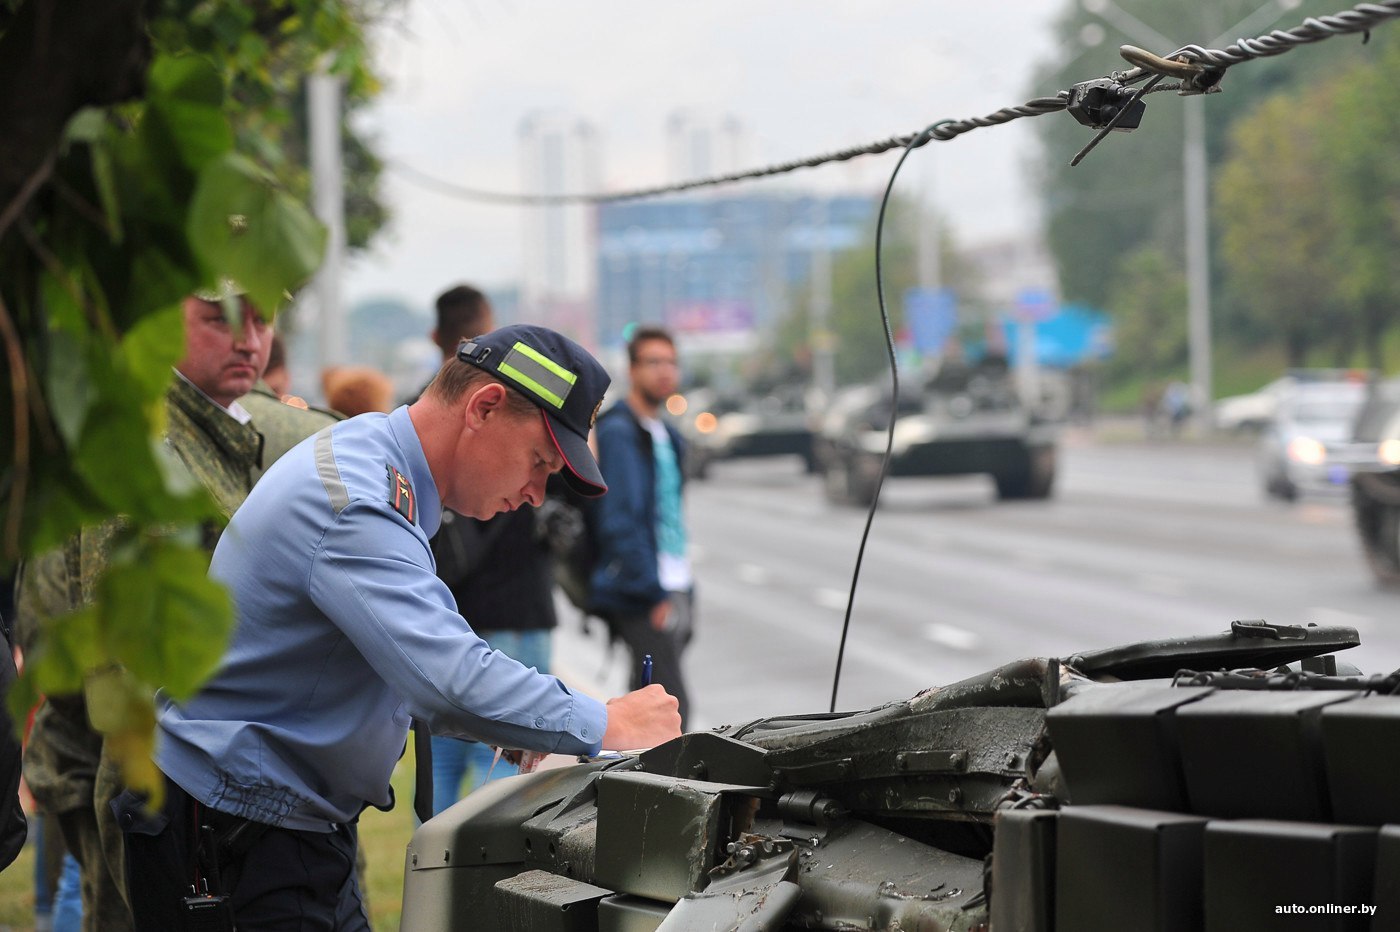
point(1115, 223)
point(186, 175)
point(1308, 209)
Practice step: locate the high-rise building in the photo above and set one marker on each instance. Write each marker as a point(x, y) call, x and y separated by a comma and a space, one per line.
point(716, 269)
point(701, 145)
point(559, 155)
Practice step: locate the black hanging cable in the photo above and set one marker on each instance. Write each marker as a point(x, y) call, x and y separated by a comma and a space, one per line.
point(914, 142)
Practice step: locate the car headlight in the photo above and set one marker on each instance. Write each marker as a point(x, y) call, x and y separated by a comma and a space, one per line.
point(705, 422)
point(676, 405)
point(1307, 450)
point(1389, 452)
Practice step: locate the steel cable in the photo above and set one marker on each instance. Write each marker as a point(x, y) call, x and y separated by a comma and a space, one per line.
point(1360, 18)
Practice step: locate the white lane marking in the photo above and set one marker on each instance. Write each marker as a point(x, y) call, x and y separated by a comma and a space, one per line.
point(753, 574)
point(1160, 585)
point(951, 636)
point(832, 598)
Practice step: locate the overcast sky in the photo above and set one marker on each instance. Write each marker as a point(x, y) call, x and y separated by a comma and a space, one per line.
point(802, 77)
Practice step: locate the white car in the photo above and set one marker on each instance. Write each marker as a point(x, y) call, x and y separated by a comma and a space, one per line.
point(1309, 446)
point(1254, 411)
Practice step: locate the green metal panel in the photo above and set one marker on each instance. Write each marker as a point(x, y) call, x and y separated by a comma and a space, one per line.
point(630, 914)
point(538, 901)
point(1023, 871)
point(658, 836)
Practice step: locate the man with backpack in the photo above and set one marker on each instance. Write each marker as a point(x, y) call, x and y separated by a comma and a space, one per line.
point(642, 583)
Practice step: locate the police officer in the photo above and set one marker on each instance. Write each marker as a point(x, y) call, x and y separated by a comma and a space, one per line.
point(344, 632)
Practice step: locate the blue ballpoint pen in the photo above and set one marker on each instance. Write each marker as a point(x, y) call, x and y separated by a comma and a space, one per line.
point(646, 670)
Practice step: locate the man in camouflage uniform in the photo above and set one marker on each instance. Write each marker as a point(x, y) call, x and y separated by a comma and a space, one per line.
point(282, 425)
point(212, 434)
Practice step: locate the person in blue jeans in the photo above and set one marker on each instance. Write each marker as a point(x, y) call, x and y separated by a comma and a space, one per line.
point(68, 898)
point(456, 761)
point(512, 606)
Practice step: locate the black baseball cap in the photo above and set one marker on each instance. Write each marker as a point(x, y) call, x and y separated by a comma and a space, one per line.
point(562, 378)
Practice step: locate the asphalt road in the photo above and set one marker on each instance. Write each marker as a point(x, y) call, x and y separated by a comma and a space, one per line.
point(1140, 541)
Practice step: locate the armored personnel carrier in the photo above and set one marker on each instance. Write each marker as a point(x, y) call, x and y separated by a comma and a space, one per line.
point(1233, 782)
point(772, 423)
point(962, 420)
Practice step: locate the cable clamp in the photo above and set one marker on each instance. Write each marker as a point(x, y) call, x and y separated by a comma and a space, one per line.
point(1103, 103)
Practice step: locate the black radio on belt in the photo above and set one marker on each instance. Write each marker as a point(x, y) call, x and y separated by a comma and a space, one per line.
point(206, 912)
point(202, 910)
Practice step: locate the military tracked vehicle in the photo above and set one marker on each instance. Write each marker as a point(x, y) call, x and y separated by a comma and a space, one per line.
point(963, 420)
point(773, 423)
point(1232, 782)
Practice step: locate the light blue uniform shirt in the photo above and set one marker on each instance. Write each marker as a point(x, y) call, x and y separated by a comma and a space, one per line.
point(344, 633)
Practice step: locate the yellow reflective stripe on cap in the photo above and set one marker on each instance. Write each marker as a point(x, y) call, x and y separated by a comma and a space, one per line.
point(538, 373)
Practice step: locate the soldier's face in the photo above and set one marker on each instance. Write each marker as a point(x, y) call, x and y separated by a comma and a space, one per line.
point(221, 361)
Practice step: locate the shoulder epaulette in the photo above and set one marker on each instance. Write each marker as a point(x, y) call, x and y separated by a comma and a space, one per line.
point(401, 494)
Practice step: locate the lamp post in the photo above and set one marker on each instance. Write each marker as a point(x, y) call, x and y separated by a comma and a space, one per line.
point(328, 191)
point(823, 342)
point(1196, 181)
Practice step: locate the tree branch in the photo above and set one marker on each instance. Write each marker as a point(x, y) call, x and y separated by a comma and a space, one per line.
point(19, 388)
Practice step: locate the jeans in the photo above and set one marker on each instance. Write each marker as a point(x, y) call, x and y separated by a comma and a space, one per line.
point(455, 759)
point(68, 899)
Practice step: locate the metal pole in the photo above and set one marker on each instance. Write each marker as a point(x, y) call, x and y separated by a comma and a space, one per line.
point(1198, 261)
point(929, 234)
point(328, 199)
point(823, 343)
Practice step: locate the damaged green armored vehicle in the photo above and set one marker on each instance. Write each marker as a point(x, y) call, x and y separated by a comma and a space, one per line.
point(1232, 782)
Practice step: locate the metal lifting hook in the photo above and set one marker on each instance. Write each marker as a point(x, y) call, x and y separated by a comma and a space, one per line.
point(1196, 78)
point(1170, 67)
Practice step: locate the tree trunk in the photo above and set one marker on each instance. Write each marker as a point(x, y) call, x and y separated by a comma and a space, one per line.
point(56, 57)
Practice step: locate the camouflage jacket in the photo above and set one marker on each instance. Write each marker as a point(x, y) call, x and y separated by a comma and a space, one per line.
point(60, 763)
point(282, 426)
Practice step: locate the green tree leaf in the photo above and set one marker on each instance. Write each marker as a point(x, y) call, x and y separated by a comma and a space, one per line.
point(71, 646)
point(165, 619)
point(23, 697)
point(242, 226)
point(121, 708)
point(150, 350)
point(187, 96)
point(70, 387)
point(114, 454)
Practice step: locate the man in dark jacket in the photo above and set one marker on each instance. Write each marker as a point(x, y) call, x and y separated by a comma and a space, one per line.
point(511, 607)
point(642, 583)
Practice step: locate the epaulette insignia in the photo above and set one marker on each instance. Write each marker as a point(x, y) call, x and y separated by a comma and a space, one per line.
point(401, 494)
